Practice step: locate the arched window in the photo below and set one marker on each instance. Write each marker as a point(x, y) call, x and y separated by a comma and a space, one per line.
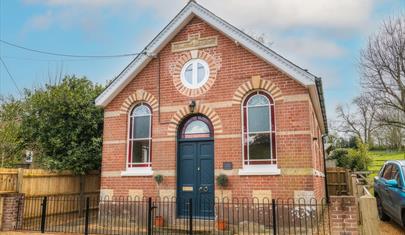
point(196, 127)
point(258, 130)
point(140, 137)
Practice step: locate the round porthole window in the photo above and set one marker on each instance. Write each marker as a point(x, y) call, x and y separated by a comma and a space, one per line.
point(195, 73)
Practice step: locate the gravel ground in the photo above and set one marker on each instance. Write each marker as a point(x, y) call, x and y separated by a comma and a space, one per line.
point(391, 228)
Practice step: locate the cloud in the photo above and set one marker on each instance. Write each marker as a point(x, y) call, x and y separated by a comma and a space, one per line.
point(263, 15)
point(77, 3)
point(87, 15)
point(295, 13)
point(40, 22)
point(309, 47)
point(347, 14)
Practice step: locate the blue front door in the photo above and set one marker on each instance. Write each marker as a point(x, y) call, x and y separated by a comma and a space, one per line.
point(196, 178)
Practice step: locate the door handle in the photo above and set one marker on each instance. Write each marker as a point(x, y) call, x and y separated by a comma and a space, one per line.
point(203, 189)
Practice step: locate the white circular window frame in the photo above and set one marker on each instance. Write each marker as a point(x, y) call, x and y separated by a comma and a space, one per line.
point(195, 73)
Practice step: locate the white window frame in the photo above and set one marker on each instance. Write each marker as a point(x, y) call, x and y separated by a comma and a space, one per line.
point(131, 168)
point(194, 63)
point(259, 169)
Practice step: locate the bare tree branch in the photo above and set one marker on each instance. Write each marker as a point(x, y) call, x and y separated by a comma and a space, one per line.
point(360, 122)
point(382, 65)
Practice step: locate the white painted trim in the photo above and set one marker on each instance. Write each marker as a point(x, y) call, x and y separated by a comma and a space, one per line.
point(260, 170)
point(194, 77)
point(138, 171)
point(186, 14)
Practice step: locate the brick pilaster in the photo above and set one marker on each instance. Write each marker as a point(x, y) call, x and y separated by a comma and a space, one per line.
point(344, 215)
point(11, 210)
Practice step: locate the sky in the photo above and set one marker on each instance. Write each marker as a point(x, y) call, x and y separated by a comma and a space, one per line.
point(323, 36)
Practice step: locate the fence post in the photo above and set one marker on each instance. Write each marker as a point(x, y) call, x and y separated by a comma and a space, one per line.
point(349, 182)
point(190, 219)
point(369, 215)
point(150, 208)
point(273, 210)
point(86, 219)
point(353, 182)
point(20, 179)
point(43, 214)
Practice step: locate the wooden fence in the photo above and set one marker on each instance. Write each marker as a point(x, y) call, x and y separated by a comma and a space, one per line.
point(37, 182)
point(339, 181)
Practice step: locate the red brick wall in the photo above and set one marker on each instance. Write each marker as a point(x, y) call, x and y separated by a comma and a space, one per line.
point(237, 66)
point(11, 202)
point(343, 215)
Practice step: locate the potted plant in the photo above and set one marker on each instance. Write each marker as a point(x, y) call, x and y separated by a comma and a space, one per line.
point(222, 182)
point(159, 220)
point(158, 179)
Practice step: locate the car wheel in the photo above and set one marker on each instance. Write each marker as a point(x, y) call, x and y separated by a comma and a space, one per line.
point(381, 213)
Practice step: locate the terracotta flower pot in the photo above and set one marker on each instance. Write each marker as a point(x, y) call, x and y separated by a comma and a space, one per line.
point(159, 221)
point(222, 225)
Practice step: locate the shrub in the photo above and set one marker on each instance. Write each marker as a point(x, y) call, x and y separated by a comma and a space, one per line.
point(354, 159)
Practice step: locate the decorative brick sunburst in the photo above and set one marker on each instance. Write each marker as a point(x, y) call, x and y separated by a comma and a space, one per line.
point(213, 62)
point(199, 109)
point(256, 83)
point(138, 96)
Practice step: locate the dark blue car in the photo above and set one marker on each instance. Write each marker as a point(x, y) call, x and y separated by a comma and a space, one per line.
point(389, 190)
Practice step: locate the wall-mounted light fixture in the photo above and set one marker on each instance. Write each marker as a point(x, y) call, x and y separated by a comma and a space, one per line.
point(192, 106)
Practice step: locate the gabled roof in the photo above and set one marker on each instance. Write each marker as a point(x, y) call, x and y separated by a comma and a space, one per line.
point(180, 20)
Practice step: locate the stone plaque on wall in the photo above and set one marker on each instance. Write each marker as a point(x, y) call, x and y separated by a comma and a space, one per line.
point(194, 42)
point(227, 166)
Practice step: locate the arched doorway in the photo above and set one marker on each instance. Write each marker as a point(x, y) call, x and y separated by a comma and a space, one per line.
point(195, 167)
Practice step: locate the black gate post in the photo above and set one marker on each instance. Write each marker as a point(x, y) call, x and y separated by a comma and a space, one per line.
point(190, 219)
point(273, 209)
point(86, 219)
point(150, 208)
point(43, 214)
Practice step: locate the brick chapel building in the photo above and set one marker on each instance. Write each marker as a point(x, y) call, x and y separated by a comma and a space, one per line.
point(204, 99)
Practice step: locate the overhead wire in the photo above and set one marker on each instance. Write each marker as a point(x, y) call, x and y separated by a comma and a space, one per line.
point(11, 76)
point(66, 55)
point(39, 59)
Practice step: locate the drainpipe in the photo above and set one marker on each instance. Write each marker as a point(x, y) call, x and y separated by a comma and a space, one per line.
point(158, 77)
point(324, 168)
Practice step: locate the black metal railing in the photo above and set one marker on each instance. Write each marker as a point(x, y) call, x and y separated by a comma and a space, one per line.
point(118, 215)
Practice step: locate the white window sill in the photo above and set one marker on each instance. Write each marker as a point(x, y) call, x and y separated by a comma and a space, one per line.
point(139, 171)
point(260, 170)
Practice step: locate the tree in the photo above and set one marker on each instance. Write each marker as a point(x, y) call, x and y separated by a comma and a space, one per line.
point(64, 122)
point(354, 158)
point(382, 64)
point(390, 137)
point(360, 122)
point(10, 143)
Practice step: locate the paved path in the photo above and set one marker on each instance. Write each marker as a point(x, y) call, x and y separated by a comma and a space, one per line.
point(391, 228)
